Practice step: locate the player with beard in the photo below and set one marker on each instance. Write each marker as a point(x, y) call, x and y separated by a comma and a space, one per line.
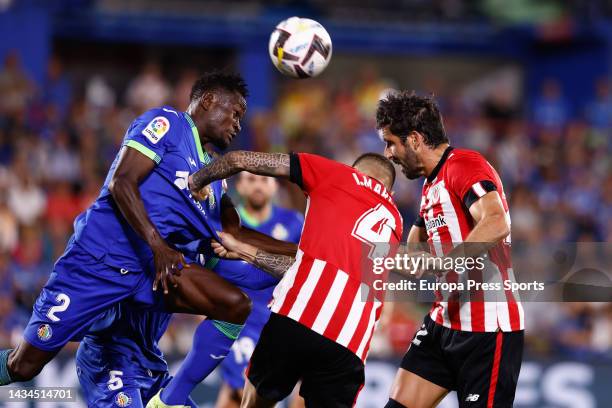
point(259, 213)
point(471, 342)
point(325, 309)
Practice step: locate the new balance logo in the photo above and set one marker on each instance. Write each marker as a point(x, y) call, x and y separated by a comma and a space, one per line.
point(472, 397)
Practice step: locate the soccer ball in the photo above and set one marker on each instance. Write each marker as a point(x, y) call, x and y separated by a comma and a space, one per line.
point(300, 47)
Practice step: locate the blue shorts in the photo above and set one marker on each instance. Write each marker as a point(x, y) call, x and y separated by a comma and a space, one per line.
point(244, 275)
point(79, 293)
point(115, 380)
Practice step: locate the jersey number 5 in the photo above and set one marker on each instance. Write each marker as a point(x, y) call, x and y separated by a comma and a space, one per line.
point(375, 228)
point(115, 382)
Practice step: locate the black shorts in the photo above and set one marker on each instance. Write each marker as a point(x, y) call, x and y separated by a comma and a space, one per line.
point(479, 366)
point(288, 352)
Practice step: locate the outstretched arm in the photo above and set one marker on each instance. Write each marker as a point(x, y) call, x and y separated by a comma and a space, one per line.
point(232, 248)
point(265, 164)
point(133, 167)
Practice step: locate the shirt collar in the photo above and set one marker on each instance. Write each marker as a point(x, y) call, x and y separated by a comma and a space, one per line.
point(436, 169)
point(202, 155)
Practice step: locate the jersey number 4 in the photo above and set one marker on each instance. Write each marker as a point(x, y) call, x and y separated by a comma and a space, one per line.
point(375, 228)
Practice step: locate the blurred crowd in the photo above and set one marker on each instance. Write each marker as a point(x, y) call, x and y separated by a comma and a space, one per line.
point(58, 137)
point(389, 11)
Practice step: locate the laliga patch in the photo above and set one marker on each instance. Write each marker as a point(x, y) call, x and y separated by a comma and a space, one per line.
point(122, 399)
point(44, 332)
point(156, 129)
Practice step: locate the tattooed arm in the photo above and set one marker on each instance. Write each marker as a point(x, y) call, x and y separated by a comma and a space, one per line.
point(275, 265)
point(231, 248)
point(265, 164)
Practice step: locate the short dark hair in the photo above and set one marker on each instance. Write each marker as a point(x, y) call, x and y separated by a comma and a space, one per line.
point(378, 159)
point(404, 112)
point(216, 80)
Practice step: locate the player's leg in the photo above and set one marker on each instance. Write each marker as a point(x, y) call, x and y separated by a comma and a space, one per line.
point(296, 400)
point(110, 385)
point(228, 397)
point(488, 374)
point(424, 376)
point(333, 375)
point(23, 363)
point(214, 337)
point(276, 364)
point(251, 399)
point(411, 391)
point(212, 341)
point(151, 395)
point(235, 364)
point(64, 310)
point(203, 292)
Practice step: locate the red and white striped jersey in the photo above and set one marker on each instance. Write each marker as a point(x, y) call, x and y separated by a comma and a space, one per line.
point(461, 178)
point(346, 214)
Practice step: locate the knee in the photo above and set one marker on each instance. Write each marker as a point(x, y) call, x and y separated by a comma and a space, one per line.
point(23, 369)
point(239, 308)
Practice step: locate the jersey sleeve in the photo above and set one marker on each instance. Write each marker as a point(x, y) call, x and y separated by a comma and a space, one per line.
point(152, 132)
point(419, 222)
point(471, 177)
point(310, 170)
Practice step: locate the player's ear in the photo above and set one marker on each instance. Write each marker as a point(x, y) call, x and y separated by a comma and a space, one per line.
point(415, 139)
point(207, 99)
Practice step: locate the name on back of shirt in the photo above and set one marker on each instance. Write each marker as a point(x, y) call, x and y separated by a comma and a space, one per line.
point(373, 184)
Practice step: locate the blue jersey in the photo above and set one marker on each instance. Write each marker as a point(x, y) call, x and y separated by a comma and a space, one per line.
point(125, 339)
point(171, 139)
point(282, 224)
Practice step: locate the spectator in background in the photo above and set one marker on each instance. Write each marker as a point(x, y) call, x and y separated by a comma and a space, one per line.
point(599, 111)
point(524, 214)
point(63, 160)
point(8, 225)
point(6, 147)
point(183, 88)
point(62, 205)
point(57, 88)
point(98, 93)
point(149, 89)
point(26, 199)
point(30, 271)
point(550, 109)
point(16, 88)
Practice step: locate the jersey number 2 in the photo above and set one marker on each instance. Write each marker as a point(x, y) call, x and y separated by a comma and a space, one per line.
point(64, 301)
point(375, 228)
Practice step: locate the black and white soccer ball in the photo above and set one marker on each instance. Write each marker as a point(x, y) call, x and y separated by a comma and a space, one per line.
point(300, 47)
